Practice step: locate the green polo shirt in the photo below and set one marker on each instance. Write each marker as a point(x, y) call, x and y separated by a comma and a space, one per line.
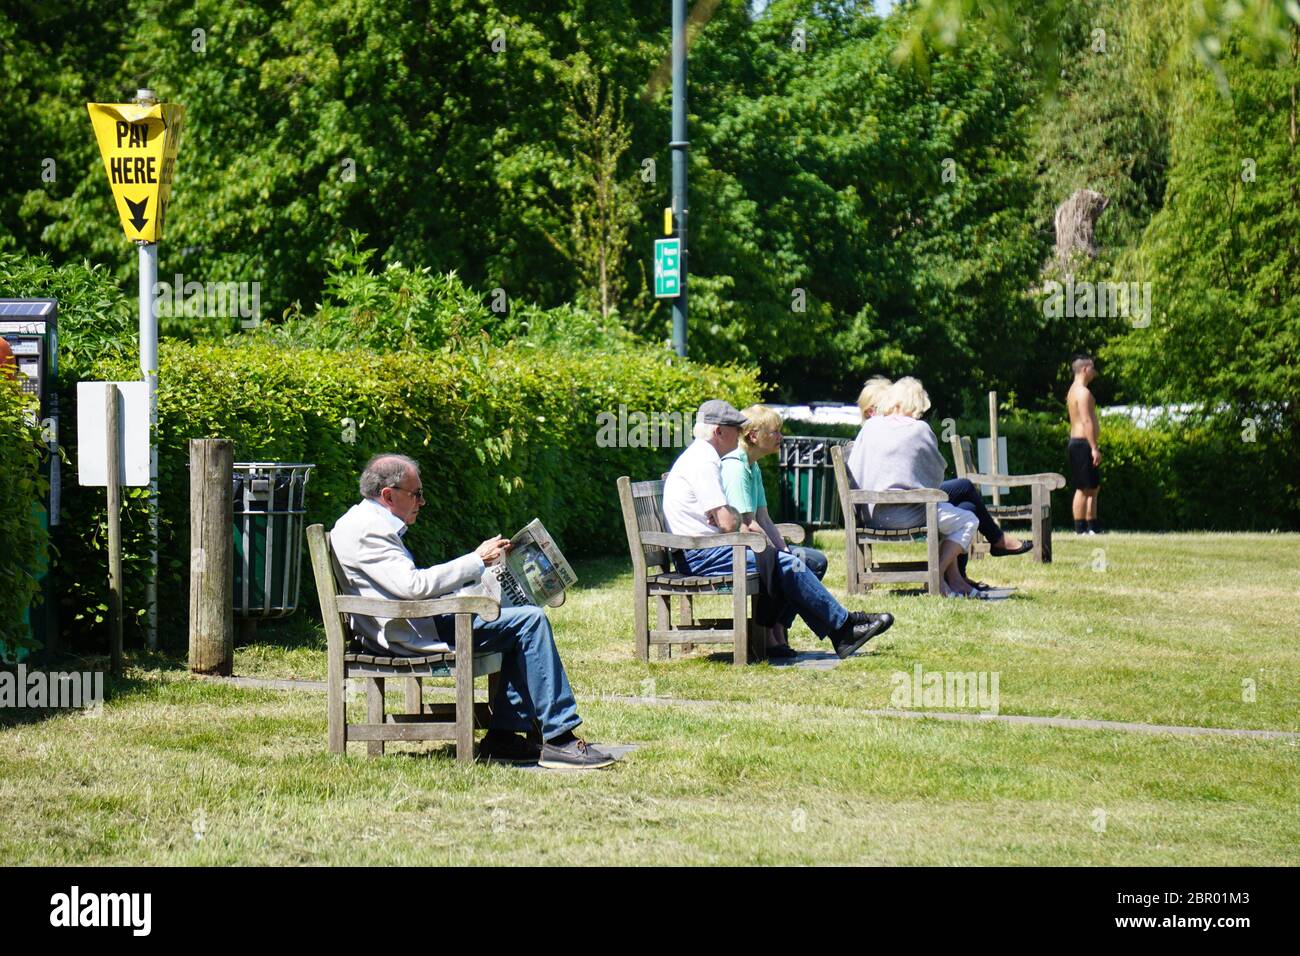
point(742, 482)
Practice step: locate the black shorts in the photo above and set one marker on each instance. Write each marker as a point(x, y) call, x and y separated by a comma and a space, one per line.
point(1083, 473)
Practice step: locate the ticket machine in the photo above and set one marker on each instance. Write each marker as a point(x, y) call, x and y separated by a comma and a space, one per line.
point(30, 327)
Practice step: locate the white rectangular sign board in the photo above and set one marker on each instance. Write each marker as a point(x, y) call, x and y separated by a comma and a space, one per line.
point(92, 433)
point(986, 463)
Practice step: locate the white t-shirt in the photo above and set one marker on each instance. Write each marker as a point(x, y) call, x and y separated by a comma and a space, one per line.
point(692, 489)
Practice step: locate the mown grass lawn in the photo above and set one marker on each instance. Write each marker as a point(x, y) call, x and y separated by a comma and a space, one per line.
point(770, 765)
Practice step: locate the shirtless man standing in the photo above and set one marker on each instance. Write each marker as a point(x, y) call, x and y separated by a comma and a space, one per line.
point(1083, 452)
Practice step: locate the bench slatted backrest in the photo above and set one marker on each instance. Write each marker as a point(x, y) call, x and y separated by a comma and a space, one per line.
point(844, 482)
point(648, 498)
point(328, 574)
point(643, 510)
point(962, 460)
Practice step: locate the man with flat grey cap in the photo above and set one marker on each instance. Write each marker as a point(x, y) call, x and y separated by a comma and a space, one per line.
point(695, 504)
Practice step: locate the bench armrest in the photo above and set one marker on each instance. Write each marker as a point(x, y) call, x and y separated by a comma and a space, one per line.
point(1048, 478)
point(659, 539)
point(912, 496)
point(793, 533)
point(485, 607)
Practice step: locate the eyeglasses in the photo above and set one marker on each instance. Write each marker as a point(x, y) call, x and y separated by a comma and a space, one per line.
point(417, 494)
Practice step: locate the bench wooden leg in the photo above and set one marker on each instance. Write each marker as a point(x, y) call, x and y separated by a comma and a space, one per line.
point(739, 606)
point(641, 616)
point(414, 696)
point(852, 555)
point(375, 712)
point(932, 548)
point(1036, 522)
point(663, 614)
point(336, 686)
point(464, 670)
point(685, 616)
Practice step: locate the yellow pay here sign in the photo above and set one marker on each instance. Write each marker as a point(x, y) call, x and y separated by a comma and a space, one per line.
point(139, 143)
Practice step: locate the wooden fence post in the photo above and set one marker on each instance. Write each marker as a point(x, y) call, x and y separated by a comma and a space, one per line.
point(212, 616)
point(994, 465)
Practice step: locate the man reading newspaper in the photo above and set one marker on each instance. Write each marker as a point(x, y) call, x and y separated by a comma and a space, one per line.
point(534, 691)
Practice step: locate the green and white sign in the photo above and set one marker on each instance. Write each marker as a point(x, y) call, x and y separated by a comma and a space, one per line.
point(668, 268)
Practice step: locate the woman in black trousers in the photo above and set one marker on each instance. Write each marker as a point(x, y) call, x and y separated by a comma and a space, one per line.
point(965, 495)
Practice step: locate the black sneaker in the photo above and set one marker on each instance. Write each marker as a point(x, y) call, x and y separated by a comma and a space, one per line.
point(782, 652)
point(852, 636)
point(862, 617)
point(577, 754)
point(503, 747)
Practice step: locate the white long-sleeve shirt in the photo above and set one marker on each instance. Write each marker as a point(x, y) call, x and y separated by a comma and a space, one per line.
point(367, 541)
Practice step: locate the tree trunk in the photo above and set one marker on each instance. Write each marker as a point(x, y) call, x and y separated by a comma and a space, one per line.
point(1076, 221)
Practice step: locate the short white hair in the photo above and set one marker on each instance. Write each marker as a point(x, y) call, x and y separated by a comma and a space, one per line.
point(386, 470)
point(704, 431)
point(905, 397)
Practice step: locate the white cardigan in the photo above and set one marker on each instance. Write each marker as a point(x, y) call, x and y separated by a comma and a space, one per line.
point(367, 542)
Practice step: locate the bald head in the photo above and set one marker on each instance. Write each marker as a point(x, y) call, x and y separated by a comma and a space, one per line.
point(385, 471)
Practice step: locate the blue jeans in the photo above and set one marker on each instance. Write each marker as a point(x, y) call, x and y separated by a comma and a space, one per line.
point(534, 688)
point(802, 592)
point(814, 559)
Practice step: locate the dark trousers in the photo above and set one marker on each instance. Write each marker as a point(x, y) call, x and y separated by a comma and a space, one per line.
point(963, 493)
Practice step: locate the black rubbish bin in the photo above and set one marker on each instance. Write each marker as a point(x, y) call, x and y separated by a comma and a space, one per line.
point(807, 481)
point(270, 507)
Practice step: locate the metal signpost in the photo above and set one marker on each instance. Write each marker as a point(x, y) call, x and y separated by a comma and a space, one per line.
point(679, 145)
point(138, 142)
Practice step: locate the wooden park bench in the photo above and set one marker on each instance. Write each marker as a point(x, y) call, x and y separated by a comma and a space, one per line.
point(655, 578)
point(862, 565)
point(348, 658)
point(1037, 511)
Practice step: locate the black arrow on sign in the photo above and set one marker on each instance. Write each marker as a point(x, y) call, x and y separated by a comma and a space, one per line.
point(137, 213)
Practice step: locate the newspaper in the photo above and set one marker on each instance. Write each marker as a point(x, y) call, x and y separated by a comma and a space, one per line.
point(533, 571)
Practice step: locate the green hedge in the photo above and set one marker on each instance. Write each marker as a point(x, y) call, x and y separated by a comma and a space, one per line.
point(20, 485)
point(503, 435)
point(1192, 477)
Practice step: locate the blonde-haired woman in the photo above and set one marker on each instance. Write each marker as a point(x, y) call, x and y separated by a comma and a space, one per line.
point(896, 451)
point(869, 397)
point(960, 491)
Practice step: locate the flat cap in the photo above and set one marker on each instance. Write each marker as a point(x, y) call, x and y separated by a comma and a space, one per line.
point(717, 412)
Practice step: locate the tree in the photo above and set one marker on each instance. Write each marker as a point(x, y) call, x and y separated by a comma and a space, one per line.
point(1224, 249)
point(598, 200)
